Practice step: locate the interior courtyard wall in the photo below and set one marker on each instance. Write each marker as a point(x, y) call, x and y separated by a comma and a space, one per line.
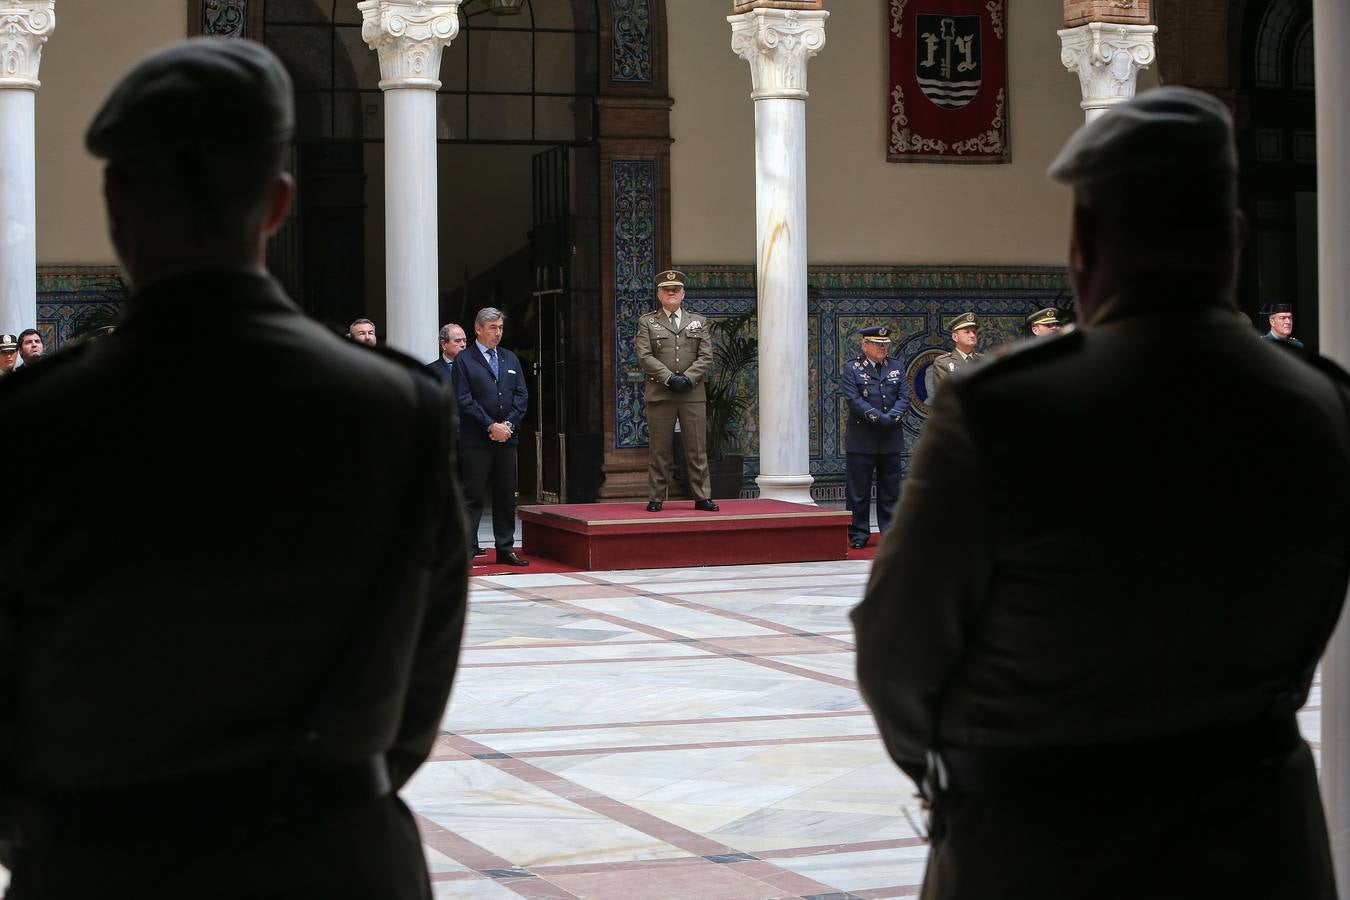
point(862, 209)
point(94, 43)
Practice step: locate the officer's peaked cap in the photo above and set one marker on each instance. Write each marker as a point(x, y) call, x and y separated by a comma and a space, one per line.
point(1173, 131)
point(202, 92)
point(877, 334)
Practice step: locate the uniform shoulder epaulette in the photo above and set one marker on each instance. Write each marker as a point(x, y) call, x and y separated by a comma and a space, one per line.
point(1028, 353)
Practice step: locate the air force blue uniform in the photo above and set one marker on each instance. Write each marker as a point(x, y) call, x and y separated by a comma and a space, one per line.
point(877, 395)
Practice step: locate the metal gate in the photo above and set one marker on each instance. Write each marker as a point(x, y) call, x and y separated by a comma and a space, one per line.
point(550, 244)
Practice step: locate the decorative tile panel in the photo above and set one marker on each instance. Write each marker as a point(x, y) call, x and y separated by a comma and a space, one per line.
point(634, 192)
point(631, 41)
point(914, 300)
point(73, 300)
point(225, 18)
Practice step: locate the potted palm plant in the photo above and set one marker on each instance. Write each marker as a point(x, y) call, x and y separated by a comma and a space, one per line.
point(730, 387)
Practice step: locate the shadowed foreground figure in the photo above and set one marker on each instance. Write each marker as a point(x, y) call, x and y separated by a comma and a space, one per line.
point(1093, 687)
point(218, 662)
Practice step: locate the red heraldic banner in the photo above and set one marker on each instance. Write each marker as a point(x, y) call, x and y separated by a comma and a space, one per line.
point(949, 81)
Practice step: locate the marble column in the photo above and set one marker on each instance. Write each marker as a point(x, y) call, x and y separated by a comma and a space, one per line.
point(778, 42)
point(409, 36)
point(1331, 33)
point(24, 28)
point(1107, 57)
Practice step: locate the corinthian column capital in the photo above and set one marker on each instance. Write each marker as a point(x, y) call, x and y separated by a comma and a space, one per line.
point(24, 27)
point(1107, 58)
point(409, 36)
point(778, 43)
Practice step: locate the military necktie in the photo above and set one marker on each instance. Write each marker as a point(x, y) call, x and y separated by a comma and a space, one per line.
point(673, 326)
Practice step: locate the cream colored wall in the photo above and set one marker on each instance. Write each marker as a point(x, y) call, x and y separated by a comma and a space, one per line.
point(861, 208)
point(95, 41)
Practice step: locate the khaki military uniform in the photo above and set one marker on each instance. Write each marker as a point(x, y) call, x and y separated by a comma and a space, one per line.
point(662, 351)
point(946, 365)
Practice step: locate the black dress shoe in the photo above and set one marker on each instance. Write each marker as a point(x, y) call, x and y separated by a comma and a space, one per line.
point(858, 543)
point(653, 506)
point(706, 506)
point(479, 551)
point(510, 558)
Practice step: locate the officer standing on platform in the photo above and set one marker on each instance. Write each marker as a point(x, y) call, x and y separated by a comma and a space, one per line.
point(965, 331)
point(675, 349)
point(878, 395)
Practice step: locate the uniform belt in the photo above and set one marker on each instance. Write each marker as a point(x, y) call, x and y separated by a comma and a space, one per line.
point(220, 800)
point(1200, 755)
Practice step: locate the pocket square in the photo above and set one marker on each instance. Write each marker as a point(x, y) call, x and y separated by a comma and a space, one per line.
point(510, 371)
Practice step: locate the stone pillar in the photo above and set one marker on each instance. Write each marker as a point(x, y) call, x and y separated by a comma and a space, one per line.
point(24, 28)
point(409, 36)
point(1107, 42)
point(777, 37)
point(1331, 32)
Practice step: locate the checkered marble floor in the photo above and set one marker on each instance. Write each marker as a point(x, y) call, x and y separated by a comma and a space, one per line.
point(668, 734)
point(665, 734)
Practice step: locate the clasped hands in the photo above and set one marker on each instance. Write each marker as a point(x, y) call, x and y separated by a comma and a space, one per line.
point(882, 418)
point(680, 383)
point(500, 432)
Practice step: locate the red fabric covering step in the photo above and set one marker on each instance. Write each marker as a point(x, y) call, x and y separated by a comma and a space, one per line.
point(867, 552)
point(600, 536)
point(538, 565)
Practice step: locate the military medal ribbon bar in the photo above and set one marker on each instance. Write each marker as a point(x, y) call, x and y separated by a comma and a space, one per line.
point(949, 81)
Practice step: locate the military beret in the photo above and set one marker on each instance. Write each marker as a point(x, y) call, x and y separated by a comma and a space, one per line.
point(1271, 309)
point(965, 320)
point(877, 334)
point(1047, 316)
point(195, 93)
point(8, 342)
point(670, 278)
point(1168, 130)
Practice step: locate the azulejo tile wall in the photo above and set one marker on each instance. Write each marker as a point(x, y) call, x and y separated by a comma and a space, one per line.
point(842, 300)
point(72, 300)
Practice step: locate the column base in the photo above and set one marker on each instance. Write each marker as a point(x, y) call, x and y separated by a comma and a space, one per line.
point(791, 488)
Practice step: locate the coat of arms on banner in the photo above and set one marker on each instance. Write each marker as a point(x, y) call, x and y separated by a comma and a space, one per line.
point(949, 81)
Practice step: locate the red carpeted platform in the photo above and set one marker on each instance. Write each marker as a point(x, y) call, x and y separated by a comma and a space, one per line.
point(599, 536)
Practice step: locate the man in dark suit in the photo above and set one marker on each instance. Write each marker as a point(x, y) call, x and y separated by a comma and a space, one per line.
point(877, 395)
point(493, 400)
point(1092, 685)
point(241, 635)
point(452, 341)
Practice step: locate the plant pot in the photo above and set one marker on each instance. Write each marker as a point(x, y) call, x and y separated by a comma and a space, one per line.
point(727, 475)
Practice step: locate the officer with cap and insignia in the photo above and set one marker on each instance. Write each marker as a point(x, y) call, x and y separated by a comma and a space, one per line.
point(877, 395)
point(675, 350)
point(1281, 318)
point(265, 648)
point(1101, 674)
point(1045, 322)
point(9, 353)
point(965, 332)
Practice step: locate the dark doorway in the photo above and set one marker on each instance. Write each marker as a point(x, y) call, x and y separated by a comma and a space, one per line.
point(1277, 141)
point(517, 233)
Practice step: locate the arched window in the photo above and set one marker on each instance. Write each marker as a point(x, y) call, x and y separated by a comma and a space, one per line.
point(1304, 72)
point(1270, 41)
point(520, 71)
